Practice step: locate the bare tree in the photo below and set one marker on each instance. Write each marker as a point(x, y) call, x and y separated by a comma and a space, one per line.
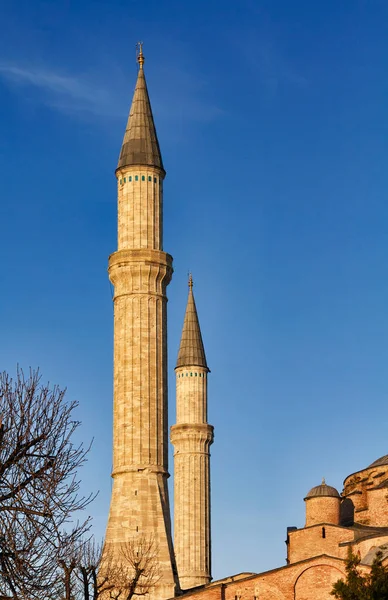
point(39, 485)
point(88, 574)
point(93, 580)
point(135, 571)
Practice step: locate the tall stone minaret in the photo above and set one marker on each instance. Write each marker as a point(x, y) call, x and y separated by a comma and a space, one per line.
point(140, 272)
point(191, 437)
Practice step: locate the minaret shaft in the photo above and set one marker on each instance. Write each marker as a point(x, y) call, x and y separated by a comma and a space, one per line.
point(140, 278)
point(192, 437)
point(140, 272)
point(140, 202)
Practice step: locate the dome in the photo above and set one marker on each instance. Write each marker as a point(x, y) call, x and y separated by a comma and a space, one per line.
point(322, 490)
point(380, 462)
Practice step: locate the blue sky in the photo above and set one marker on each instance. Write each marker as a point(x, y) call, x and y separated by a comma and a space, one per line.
point(272, 119)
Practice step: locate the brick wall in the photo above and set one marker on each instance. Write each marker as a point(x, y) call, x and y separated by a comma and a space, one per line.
point(306, 580)
point(317, 540)
point(370, 499)
point(322, 509)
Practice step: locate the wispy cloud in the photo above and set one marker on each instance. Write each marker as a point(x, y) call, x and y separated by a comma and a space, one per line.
point(68, 94)
point(84, 96)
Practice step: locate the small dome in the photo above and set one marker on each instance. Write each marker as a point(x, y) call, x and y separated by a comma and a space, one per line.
point(380, 462)
point(322, 490)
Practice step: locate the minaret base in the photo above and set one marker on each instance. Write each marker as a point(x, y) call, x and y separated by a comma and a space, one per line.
point(139, 511)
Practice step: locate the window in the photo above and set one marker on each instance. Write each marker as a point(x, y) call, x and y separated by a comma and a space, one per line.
point(125, 180)
point(130, 178)
point(136, 177)
point(121, 182)
point(323, 532)
point(154, 179)
point(143, 178)
point(149, 178)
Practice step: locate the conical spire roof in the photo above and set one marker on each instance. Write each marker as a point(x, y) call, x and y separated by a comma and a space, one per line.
point(322, 490)
point(191, 351)
point(140, 144)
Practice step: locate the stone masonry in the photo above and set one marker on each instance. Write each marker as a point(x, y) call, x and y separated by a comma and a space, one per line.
point(140, 272)
point(192, 437)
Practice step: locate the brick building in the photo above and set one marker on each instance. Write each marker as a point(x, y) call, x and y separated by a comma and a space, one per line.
point(316, 553)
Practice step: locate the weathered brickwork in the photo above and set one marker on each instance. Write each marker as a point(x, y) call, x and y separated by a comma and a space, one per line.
point(306, 580)
point(319, 539)
point(316, 554)
point(316, 582)
point(322, 510)
point(368, 492)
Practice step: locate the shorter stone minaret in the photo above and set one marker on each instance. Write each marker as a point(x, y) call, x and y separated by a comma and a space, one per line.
point(191, 437)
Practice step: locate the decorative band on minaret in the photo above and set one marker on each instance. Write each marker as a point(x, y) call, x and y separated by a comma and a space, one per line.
point(192, 437)
point(140, 272)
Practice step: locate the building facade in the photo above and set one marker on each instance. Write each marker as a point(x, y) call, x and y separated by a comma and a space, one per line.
point(356, 519)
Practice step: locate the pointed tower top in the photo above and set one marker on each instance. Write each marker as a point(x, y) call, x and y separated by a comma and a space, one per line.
point(140, 55)
point(140, 144)
point(191, 351)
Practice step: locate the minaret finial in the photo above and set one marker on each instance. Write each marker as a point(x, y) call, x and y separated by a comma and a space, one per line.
point(190, 281)
point(140, 55)
point(323, 481)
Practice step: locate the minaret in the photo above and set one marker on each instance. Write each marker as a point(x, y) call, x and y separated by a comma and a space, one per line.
point(191, 437)
point(140, 272)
